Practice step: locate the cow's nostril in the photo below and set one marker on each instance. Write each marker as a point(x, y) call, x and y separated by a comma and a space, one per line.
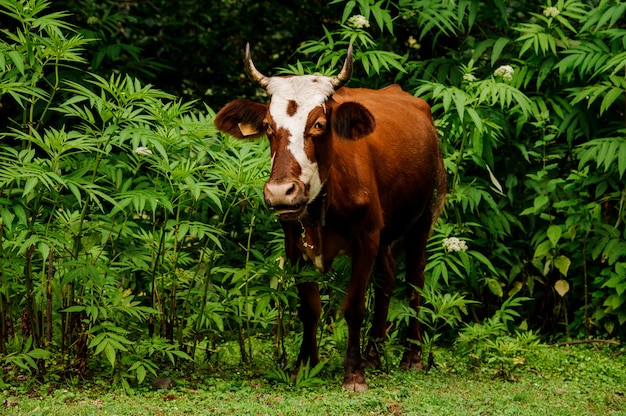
point(288, 193)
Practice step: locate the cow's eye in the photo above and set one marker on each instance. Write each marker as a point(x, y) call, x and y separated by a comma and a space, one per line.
point(319, 125)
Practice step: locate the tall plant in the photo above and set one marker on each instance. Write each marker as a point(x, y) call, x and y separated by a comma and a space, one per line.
point(118, 204)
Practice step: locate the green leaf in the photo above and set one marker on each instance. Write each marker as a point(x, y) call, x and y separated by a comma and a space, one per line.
point(562, 263)
point(17, 60)
point(494, 180)
point(498, 47)
point(517, 286)
point(475, 118)
point(554, 234)
point(541, 201)
point(347, 10)
point(610, 97)
point(459, 103)
point(542, 249)
point(494, 286)
point(75, 308)
point(141, 373)
point(378, 15)
point(40, 354)
point(621, 159)
point(109, 351)
point(615, 301)
point(562, 287)
point(30, 185)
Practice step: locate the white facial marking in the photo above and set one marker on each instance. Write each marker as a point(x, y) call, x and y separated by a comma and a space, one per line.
point(308, 92)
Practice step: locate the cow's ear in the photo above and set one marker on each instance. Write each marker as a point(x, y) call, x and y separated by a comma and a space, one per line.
point(242, 119)
point(351, 120)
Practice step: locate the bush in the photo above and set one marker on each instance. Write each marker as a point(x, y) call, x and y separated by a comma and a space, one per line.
point(528, 99)
point(127, 219)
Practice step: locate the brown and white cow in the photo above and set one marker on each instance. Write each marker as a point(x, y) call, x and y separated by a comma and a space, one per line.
point(354, 171)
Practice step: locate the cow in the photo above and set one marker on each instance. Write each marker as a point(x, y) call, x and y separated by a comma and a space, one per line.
point(354, 171)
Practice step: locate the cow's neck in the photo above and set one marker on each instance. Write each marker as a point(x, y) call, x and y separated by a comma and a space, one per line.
point(316, 212)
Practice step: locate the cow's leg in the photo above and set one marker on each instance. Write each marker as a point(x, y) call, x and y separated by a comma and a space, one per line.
point(354, 312)
point(383, 289)
point(415, 245)
point(309, 313)
point(310, 308)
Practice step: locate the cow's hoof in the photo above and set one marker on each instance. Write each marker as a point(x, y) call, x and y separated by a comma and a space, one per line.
point(355, 383)
point(412, 361)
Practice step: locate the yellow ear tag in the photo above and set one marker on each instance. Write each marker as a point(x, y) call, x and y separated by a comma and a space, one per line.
point(247, 129)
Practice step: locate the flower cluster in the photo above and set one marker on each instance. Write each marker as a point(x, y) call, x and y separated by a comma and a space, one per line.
point(454, 244)
point(413, 43)
point(358, 21)
point(469, 77)
point(143, 151)
point(551, 12)
point(505, 71)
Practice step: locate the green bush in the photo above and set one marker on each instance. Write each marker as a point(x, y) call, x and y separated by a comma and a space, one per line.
point(122, 213)
point(133, 236)
point(529, 102)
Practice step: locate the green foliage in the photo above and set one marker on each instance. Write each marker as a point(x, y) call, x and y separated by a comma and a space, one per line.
point(24, 356)
point(439, 311)
point(133, 236)
point(305, 377)
point(494, 342)
point(528, 111)
point(354, 31)
point(119, 209)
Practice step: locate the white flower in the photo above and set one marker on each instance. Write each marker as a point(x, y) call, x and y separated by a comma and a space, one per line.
point(469, 77)
point(358, 21)
point(551, 12)
point(454, 244)
point(505, 71)
point(143, 151)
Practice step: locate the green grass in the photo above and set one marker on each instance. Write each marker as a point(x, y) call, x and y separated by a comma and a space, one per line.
point(574, 380)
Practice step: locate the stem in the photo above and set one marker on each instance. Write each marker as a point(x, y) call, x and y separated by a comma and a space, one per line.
point(155, 264)
point(49, 296)
point(246, 289)
point(55, 88)
point(172, 318)
point(458, 164)
point(179, 332)
point(5, 308)
point(586, 289)
point(588, 341)
point(455, 178)
point(207, 283)
point(205, 296)
point(70, 295)
point(622, 202)
point(30, 298)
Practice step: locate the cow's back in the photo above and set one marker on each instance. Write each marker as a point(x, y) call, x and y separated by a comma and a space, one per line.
point(399, 163)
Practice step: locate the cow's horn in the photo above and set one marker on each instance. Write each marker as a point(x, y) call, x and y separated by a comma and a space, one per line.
point(346, 71)
point(254, 74)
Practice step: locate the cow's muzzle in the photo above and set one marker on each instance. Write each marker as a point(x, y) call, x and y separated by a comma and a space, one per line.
point(287, 197)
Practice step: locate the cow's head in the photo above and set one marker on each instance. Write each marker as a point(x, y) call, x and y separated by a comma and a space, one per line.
point(300, 121)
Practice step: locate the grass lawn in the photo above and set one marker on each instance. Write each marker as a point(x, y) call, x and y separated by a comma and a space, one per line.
point(571, 380)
